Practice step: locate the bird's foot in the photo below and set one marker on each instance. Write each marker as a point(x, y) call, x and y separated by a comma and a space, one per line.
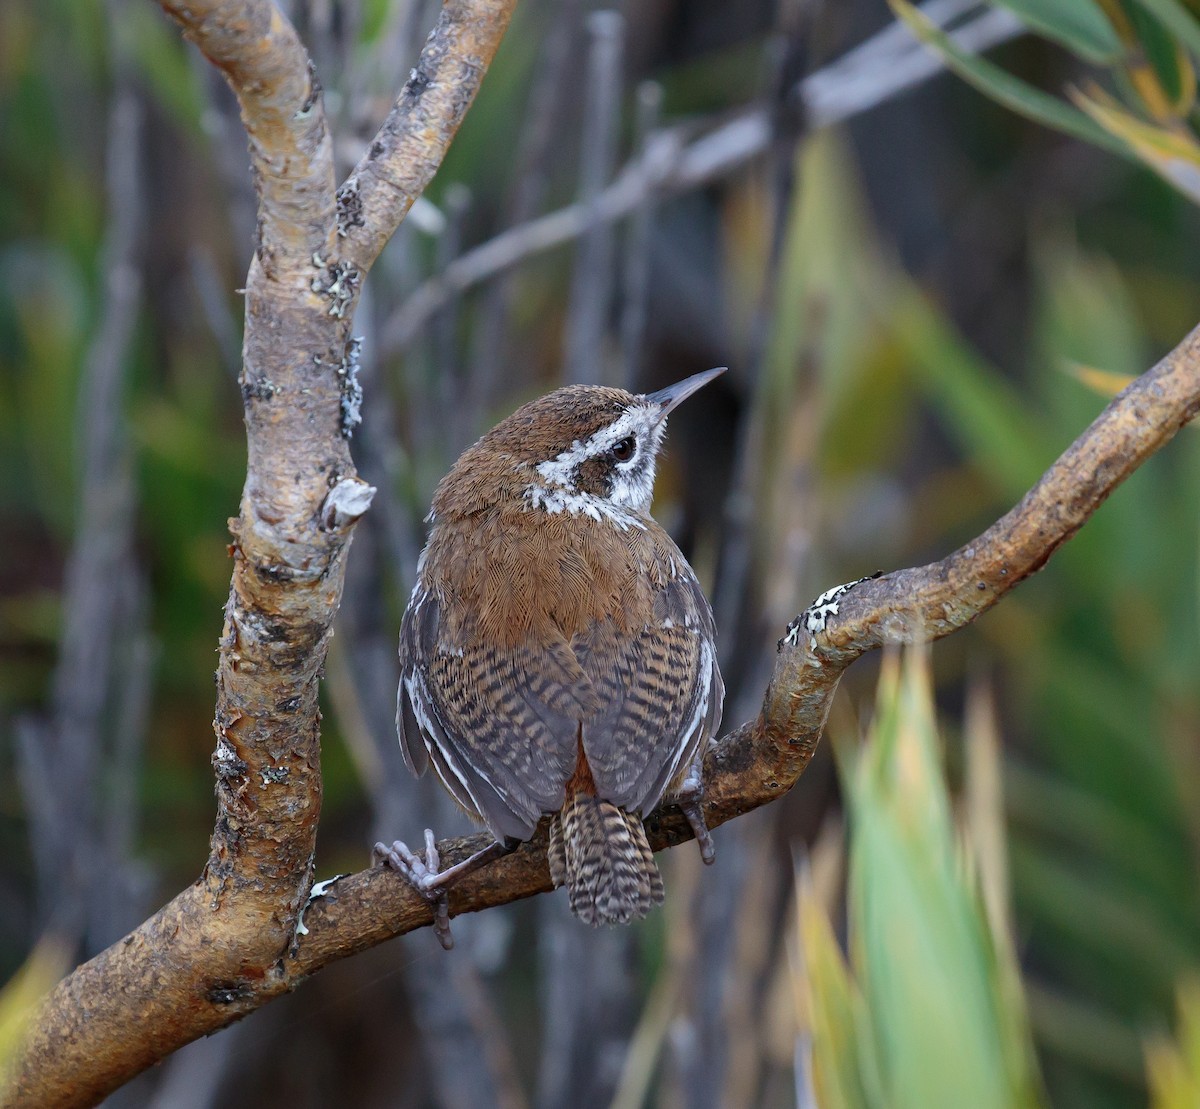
point(423, 875)
point(690, 800)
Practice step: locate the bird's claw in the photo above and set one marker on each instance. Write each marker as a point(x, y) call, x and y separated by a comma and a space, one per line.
point(422, 874)
point(690, 800)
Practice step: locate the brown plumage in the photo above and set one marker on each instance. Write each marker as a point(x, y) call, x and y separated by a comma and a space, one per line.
point(557, 652)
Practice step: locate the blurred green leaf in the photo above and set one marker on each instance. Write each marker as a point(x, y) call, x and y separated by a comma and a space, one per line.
point(1159, 47)
point(930, 970)
point(997, 428)
point(1079, 25)
point(1172, 154)
point(1174, 1067)
point(1003, 87)
point(1178, 20)
point(835, 1011)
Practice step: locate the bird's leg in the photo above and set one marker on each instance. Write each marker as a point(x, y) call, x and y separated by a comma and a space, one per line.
point(690, 799)
point(424, 875)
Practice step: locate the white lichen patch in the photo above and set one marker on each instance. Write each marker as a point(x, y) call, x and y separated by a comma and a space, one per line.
point(351, 388)
point(319, 890)
point(815, 618)
point(337, 281)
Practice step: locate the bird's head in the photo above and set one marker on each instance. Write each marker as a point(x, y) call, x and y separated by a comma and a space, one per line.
point(584, 449)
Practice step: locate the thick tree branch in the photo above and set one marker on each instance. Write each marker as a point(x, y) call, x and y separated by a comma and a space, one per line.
point(190, 968)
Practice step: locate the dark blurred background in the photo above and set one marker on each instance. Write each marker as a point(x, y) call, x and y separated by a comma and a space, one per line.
point(908, 284)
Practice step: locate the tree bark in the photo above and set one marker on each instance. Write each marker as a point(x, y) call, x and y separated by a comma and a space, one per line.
point(194, 965)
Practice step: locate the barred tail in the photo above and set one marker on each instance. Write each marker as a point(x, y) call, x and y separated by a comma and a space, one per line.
point(600, 853)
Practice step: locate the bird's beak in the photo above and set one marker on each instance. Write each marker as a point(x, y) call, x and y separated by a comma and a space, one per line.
point(674, 395)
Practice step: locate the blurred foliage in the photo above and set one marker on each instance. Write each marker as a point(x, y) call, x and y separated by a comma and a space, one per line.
point(1148, 49)
point(1175, 1067)
point(932, 1012)
point(907, 397)
point(47, 963)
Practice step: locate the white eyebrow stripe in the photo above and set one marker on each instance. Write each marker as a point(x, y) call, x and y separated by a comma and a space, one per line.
point(560, 469)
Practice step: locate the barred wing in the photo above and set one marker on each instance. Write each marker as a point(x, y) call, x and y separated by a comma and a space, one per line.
point(503, 726)
point(661, 695)
point(500, 726)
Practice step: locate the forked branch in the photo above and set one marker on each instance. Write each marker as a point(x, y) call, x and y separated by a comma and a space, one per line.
point(200, 961)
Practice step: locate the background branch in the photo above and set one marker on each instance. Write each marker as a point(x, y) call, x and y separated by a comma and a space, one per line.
point(674, 161)
point(408, 149)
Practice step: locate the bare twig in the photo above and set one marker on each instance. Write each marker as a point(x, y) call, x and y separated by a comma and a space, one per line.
point(530, 179)
point(405, 154)
point(673, 163)
point(592, 281)
point(221, 321)
point(635, 271)
point(743, 637)
point(59, 759)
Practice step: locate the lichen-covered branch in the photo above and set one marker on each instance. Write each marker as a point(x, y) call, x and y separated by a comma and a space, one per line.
point(403, 157)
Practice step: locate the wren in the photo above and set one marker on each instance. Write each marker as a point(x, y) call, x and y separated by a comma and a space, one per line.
point(557, 654)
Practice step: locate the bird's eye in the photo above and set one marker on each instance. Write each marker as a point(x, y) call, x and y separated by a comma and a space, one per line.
point(624, 450)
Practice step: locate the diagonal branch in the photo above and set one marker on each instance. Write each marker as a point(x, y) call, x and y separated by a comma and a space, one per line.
point(763, 759)
point(751, 766)
point(404, 155)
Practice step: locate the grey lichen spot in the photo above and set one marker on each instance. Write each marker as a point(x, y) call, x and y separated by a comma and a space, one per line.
point(349, 208)
point(314, 92)
point(418, 81)
point(273, 775)
point(351, 387)
point(338, 281)
point(257, 388)
point(226, 762)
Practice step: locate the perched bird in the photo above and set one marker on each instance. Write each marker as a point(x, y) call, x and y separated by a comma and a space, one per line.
point(557, 653)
